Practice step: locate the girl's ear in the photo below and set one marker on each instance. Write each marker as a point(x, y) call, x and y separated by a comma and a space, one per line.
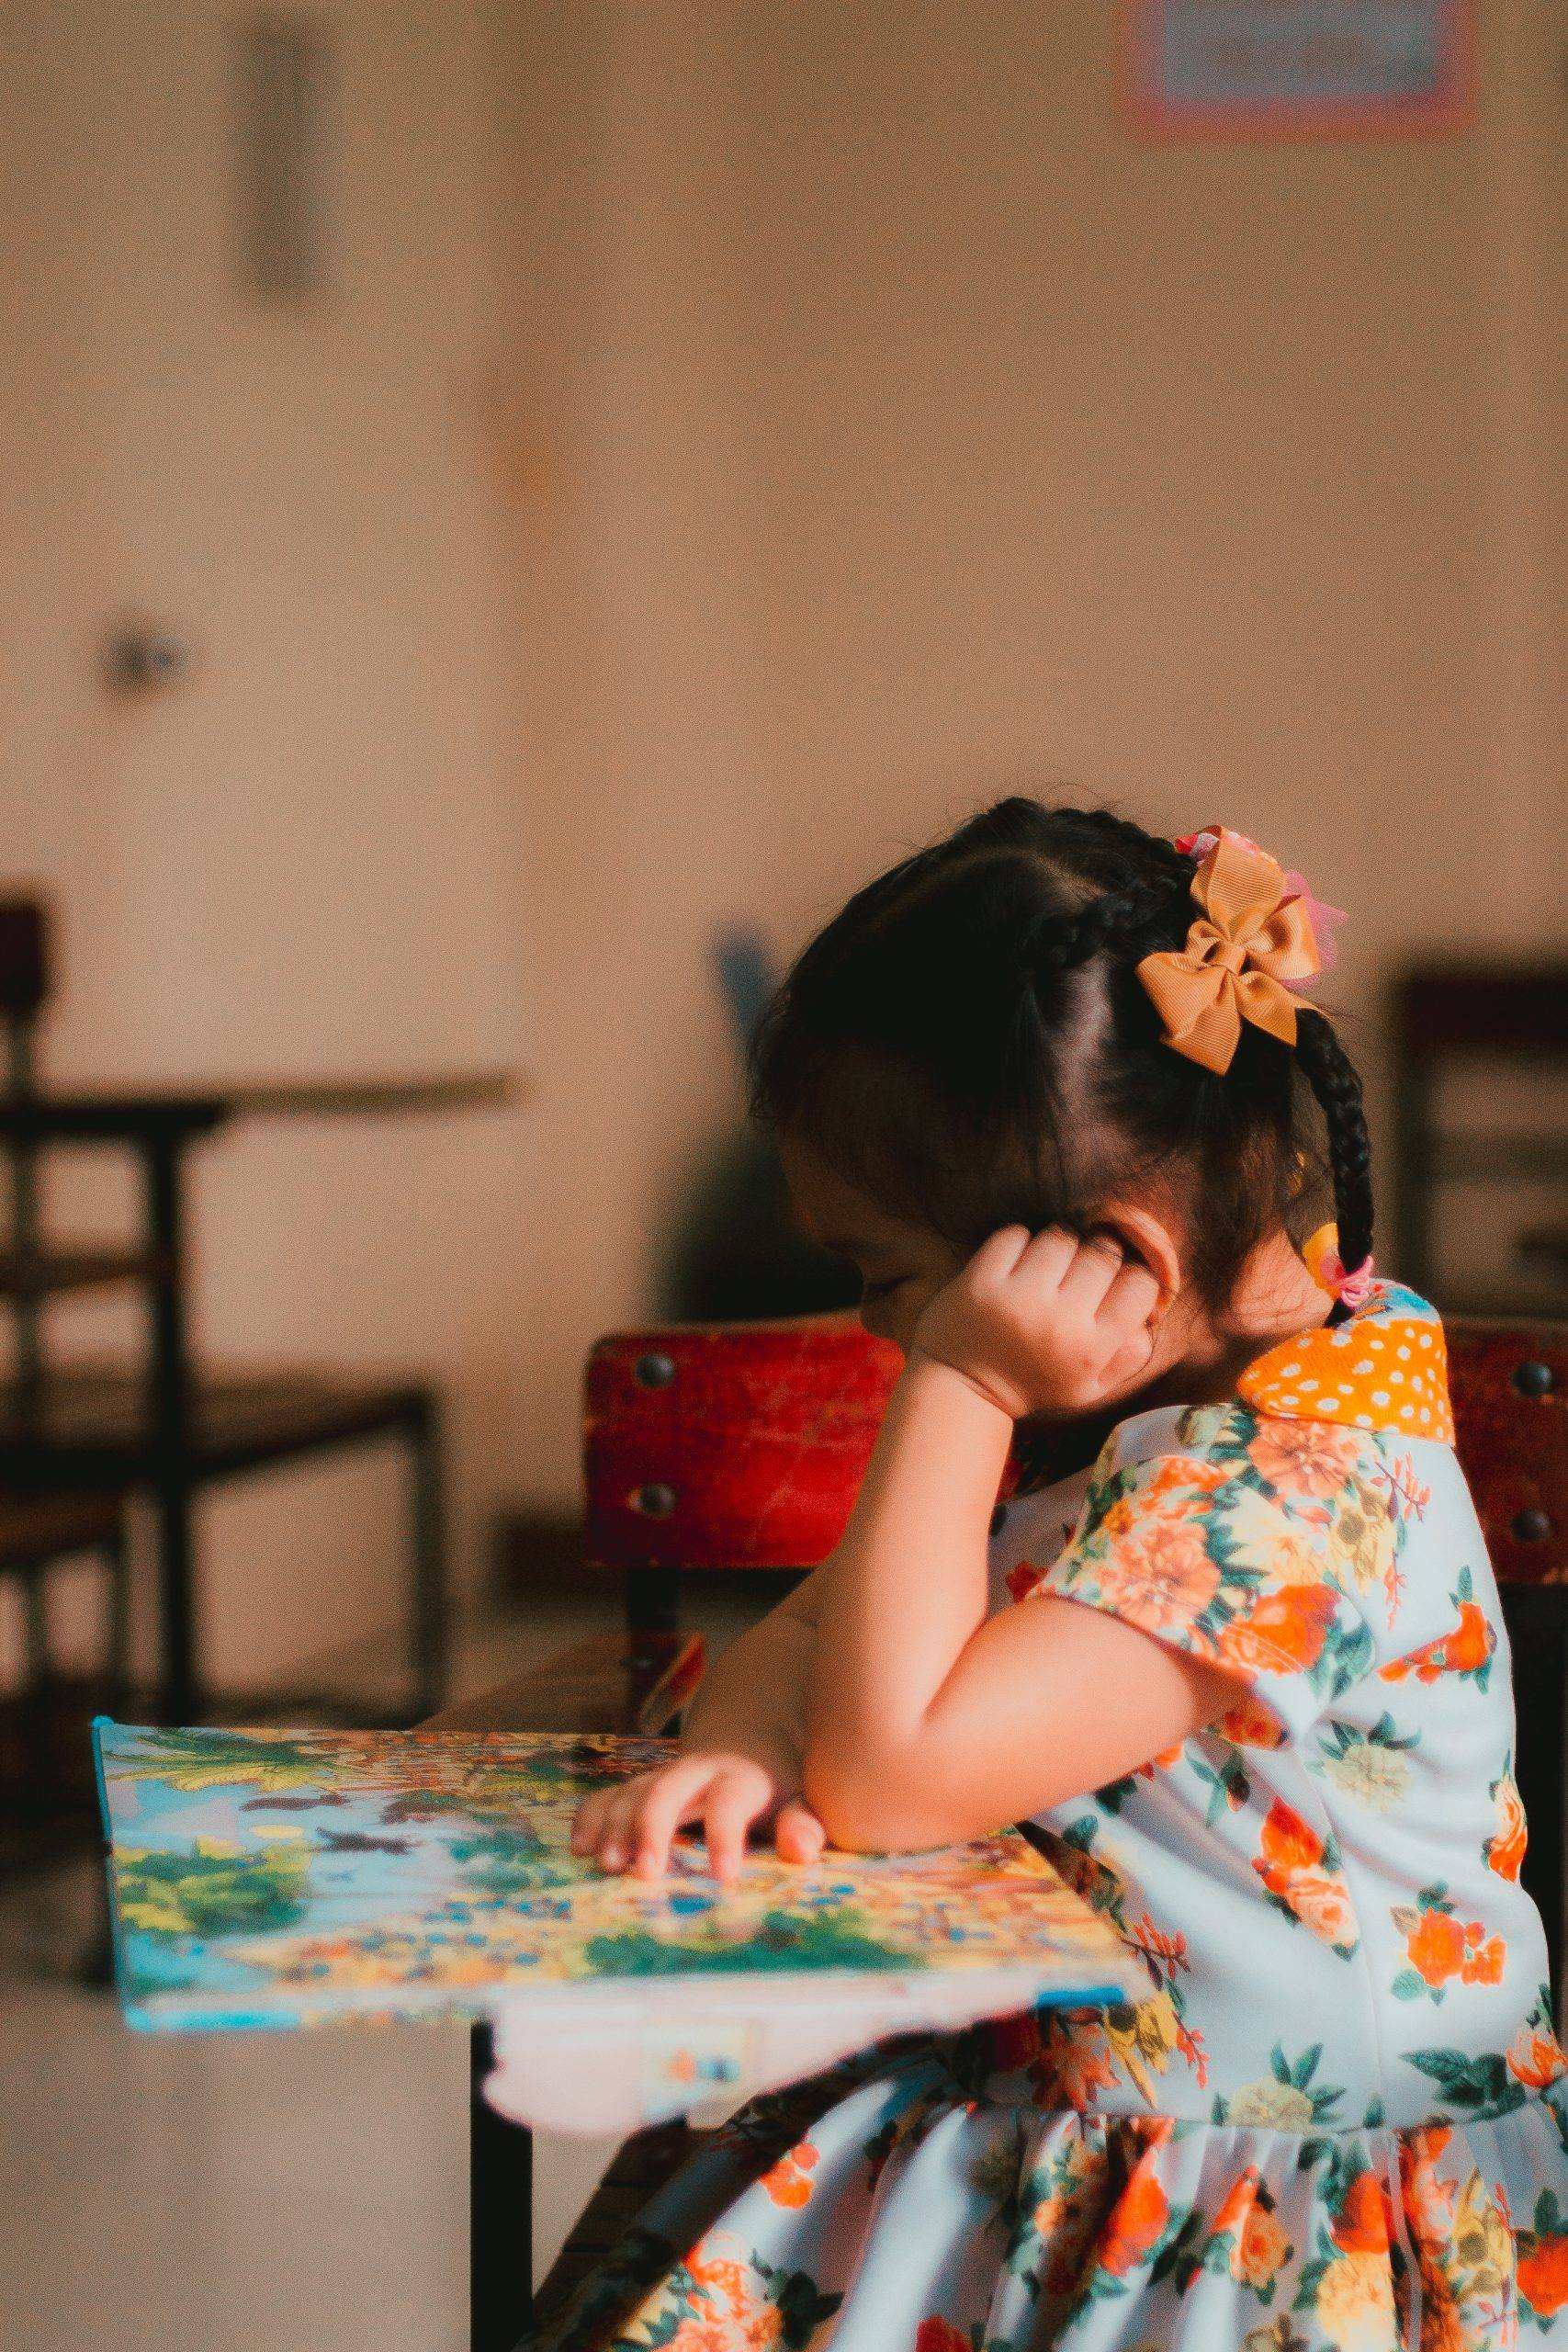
point(1155, 1239)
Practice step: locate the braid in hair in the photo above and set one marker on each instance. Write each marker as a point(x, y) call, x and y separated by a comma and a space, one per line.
point(1143, 914)
point(1126, 918)
point(1331, 1074)
point(1124, 832)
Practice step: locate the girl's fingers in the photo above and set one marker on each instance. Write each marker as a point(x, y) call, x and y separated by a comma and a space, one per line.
point(1046, 1260)
point(616, 1828)
point(734, 1800)
point(620, 1825)
point(798, 1833)
point(1096, 1264)
point(672, 1797)
point(1000, 1253)
point(585, 1822)
point(632, 1826)
point(1127, 1324)
point(1131, 1300)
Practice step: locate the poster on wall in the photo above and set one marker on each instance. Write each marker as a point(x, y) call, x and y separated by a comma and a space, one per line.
point(1296, 69)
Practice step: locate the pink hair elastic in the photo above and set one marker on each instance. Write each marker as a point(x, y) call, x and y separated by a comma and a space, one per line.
point(1353, 1289)
point(1326, 1267)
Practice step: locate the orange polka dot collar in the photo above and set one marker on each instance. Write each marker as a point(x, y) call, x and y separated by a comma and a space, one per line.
point(1385, 1368)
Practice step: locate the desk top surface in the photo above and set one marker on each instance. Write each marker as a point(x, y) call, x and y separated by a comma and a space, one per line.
point(286, 1878)
point(289, 1878)
point(189, 1110)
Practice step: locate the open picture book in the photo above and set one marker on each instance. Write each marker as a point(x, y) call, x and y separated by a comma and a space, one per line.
point(285, 1878)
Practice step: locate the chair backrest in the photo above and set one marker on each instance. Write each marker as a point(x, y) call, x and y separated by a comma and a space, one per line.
point(731, 1445)
point(23, 981)
point(1512, 1008)
point(742, 1445)
point(1509, 1383)
point(1513, 1014)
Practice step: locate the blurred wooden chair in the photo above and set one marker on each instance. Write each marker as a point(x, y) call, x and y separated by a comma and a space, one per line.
point(166, 1427)
point(1509, 1382)
point(743, 1446)
point(41, 1750)
point(1515, 1015)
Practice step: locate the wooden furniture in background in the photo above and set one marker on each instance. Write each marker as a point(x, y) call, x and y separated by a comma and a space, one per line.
point(726, 1446)
point(1445, 1015)
point(168, 1428)
point(1509, 1383)
point(45, 1766)
point(743, 1446)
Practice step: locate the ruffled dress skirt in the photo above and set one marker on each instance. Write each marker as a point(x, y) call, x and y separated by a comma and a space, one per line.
point(875, 2208)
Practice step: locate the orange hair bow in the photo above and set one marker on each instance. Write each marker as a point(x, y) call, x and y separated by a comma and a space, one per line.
point(1250, 938)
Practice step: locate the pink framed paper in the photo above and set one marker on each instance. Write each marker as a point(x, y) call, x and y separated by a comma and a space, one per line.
point(1295, 69)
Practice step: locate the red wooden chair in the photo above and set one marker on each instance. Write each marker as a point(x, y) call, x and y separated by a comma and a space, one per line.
point(741, 1446)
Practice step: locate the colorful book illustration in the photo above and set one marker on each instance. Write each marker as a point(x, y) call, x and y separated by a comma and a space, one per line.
point(285, 1878)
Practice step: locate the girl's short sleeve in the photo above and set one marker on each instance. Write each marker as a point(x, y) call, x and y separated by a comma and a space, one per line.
point(1232, 1549)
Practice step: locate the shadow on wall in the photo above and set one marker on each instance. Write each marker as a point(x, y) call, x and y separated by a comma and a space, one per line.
point(732, 1252)
point(736, 1250)
point(737, 1253)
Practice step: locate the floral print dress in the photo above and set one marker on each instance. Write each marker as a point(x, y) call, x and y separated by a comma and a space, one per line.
point(1340, 2123)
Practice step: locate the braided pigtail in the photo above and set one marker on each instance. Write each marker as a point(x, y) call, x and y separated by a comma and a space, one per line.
point(1331, 1074)
point(1142, 913)
point(1177, 865)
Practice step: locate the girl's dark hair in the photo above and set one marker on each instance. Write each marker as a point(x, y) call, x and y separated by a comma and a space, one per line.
point(968, 1041)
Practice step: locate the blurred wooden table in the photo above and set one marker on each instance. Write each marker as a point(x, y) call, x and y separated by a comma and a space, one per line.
point(168, 1429)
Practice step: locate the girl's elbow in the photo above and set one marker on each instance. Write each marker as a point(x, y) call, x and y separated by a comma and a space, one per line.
point(860, 1802)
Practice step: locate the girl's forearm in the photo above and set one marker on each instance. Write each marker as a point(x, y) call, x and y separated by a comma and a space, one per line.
point(754, 1699)
point(906, 1587)
point(931, 1719)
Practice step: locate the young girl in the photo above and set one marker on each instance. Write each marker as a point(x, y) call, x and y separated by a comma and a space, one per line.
point(1232, 1647)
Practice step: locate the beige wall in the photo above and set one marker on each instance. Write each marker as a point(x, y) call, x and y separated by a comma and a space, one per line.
point(304, 862)
point(748, 436)
point(889, 427)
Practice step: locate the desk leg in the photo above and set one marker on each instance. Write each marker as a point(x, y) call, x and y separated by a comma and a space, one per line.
point(169, 1380)
point(117, 1616)
point(428, 1618)
point(501, 2213)
point(179, 1697)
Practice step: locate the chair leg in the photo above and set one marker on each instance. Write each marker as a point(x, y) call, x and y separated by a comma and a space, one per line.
point(37, 1671)
point(652, 1600)
point(428, 1619)
point(96, 1967)
point(169, 1398)
point(501, 2213)
point(35, 1625)
point(180, 1693)
point(116, 1615)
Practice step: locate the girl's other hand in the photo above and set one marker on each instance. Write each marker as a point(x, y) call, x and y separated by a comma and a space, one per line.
point(631, 1828)
point(1044, 1322)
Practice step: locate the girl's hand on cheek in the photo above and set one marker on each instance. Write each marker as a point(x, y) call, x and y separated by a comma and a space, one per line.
point(631, 1828)
point(1043, 1322)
